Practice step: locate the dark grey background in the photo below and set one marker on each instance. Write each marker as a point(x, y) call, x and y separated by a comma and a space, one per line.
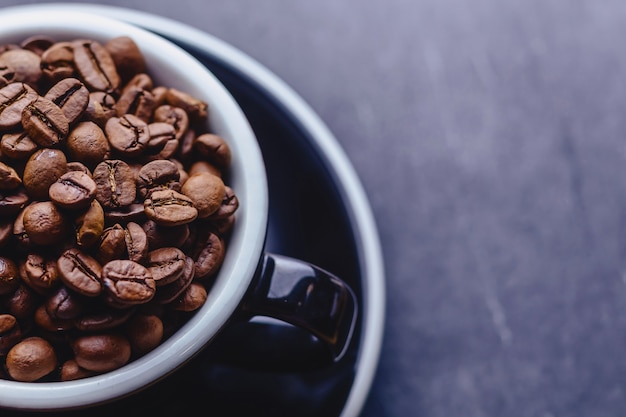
point(490, 136)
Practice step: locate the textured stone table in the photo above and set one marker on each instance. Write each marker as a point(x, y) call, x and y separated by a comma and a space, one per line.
point(490, 136)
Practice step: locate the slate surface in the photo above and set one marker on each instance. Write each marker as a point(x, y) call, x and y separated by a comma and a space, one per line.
point(490, 137)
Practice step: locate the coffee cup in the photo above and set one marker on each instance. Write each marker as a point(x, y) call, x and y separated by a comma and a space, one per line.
point(250, 281)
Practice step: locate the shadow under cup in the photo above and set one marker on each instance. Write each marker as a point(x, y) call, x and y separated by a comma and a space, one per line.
point(250, 282)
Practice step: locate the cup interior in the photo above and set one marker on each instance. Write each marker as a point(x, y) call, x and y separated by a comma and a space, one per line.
point(170, 66)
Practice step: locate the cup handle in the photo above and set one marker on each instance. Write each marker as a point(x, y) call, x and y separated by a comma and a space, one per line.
point(305, 296)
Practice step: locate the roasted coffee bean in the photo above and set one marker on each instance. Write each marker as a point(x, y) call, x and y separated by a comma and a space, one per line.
point(160, 135)
point(43, 168)
point(208, 252)
point(166, 265)
point(23, 303)
point(191, 299)
point(204, 166)
point(12, 202)
point(116, 184)
point(184, 152)
point(14, 98)
point(44, 223)
point(128, 283)
point(127, 134)
point(73, 190)
point(174, 116)
point(87, 143)
point(112, 244)
point(78, 166)
point(214, 148)
point(53, 325)
point(7, 75)
point(101, 108)
point(141, 80)
point(230, 204)
point(162, 236)
point(89, 225)
point(10, 333)
point(45, 122)
point(9, 180)
point(170, 292)
point(80, 272)
point(57, 62)
point(136, 242)
point(206, 191)
point(104, 319)
point(95, 66)
point(19, 232)
point(71, 96)
point(170, 208)
point(145, 332)
point(40, 273)
point(26, 65)
point(31, 359)
point(127, 57)
point(17, 145)
point(64, 304)
point(136, 101)
point(196, 109)
point(9, 276)
point(131, 213)
point(71, 371)
point(158, 174)
point(101, 352)
point(37, 44)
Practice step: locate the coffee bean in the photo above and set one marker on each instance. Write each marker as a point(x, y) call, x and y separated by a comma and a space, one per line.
point(170, 208)
point(57, 62)
point(31, 359)
point(136, 242)
point(170, 292)
point(45, 122)
point(166, 265)
point(145, 332)
point(37, 44)
point(26, 65)
point(214, 148)
point(206, 191)
point(128, 283)
point(44, 223)
point(73, 190)
point(89, 225)
point(71, 371)
point(71, 96)
point(195, 109)
point(127, 57)
point(42, 169)
point(80, 272)
point(95, 66)
point(112, 244)
point(17, 145)
point(127, 134)
point(208, 252)
point(174, 116)
point(131, 213)
point(87, 142)
point(64, 304)
point(40, 273)
point(23, 303)
point(103, 319)
point(230, 204)
point(12, 202)
point(13, 100)
point(162, 174)
point(191, 299)
point(116, 184)
point(101, 108)
point(161, 236)
point(10, 333)
point(101, 352)
point(9, 278)
point(136, 101)
point(9, 180)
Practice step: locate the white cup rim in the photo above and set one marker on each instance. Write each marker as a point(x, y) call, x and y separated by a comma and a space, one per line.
point(248, 236)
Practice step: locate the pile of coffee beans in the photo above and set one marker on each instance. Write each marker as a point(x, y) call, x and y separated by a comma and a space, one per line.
point(114, 208)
